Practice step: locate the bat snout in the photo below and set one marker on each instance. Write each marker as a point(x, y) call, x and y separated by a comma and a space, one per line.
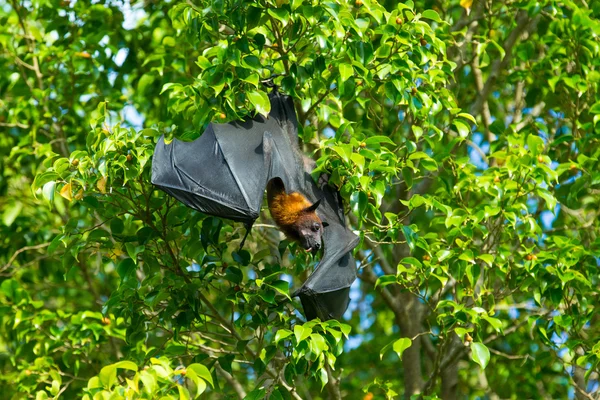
point(316, 248)
point(311, 243)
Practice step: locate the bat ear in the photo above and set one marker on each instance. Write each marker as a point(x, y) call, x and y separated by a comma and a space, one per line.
point(313, 207)
point(325, 224)
point(275, 186)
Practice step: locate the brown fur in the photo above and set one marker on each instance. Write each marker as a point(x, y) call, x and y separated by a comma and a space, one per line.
point(290, 213)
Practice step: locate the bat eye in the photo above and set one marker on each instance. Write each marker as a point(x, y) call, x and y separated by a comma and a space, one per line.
point(316, 227)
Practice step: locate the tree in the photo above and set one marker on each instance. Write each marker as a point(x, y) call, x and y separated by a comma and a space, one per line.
point(463, 138)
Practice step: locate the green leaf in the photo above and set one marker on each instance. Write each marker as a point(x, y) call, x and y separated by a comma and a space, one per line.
point(432, 15)
point(108, 374)
point(535, 144)
point(149, 381)
point(385, 280)
point(133, 251)
point(97, 234)
point(41, 179)
point(595, 109)
point(242, 257)
point(378, 140)
point(411, 237)
point(257, 394)
point(488, 258)
point(412, 261)
point(323, 377)
point(234, 274)
point(117, 226)
point(94, 383)
point(358, 160)
point(280, 286)
point(467, 255)
point(282, 334)
point(467, 116)
point(129, 365)
point(346, 71)
point(171, 85)
point(184, 394)
point(494, 322)
point(549, 199)
point(126, 268)
point(261, 102)
point(251, 62)
point(462, 128)
point(480, 354)
point(11, 213)
point(443, 254)
point(400, 345)
point(317, 344)
point(418, 131)
point(202, 372)
point(280, 14)
point(48, 191)
point(301, 332)
point(145, 82)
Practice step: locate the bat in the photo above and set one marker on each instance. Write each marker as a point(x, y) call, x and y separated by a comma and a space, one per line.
point(225, 173)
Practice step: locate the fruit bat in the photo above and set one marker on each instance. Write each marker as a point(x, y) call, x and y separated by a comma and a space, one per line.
point(225, 173)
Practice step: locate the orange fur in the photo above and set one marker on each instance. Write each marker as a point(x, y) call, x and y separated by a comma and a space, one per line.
point(295, 215)
point(287, 209)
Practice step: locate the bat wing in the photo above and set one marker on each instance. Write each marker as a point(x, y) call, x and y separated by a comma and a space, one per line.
point(326, 292)
point(225, 173)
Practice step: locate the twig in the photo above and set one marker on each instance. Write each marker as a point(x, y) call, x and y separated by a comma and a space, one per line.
point(523, 23)
point(264, 226)
point(510, 356)
point(62, 390)
point(14, 125)
point(235, 384)
point(333, 384)
point(315, 104)
point(21, 250)
point(479, 151)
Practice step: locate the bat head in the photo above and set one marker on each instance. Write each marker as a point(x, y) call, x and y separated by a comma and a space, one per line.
point(308, 229)
point(295, 215)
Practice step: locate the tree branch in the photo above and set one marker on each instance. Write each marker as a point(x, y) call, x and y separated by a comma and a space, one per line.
point(21, 250)
point(235, 384)
point(523, 23)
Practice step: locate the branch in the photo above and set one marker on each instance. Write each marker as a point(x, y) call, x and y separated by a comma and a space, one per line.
point(523, 23)
point(232, 381)
point(510, 356)
point(228, 326)
point(479, 150)
point(333, 384)
point(369, 276)
point(314, 105)
point(14, 125)
point(486, 116)
point(21, 250)
point(62, 149)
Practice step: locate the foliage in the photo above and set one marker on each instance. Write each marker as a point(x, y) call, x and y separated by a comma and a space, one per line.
point(463, 138)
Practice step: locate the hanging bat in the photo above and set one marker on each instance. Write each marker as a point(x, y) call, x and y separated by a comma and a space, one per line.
point(225, 173)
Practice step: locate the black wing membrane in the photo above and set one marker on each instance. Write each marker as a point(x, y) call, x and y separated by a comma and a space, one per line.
point(225, 173)
point(326, 292)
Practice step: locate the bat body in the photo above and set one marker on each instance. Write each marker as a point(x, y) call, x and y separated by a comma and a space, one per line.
point(225, 173)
